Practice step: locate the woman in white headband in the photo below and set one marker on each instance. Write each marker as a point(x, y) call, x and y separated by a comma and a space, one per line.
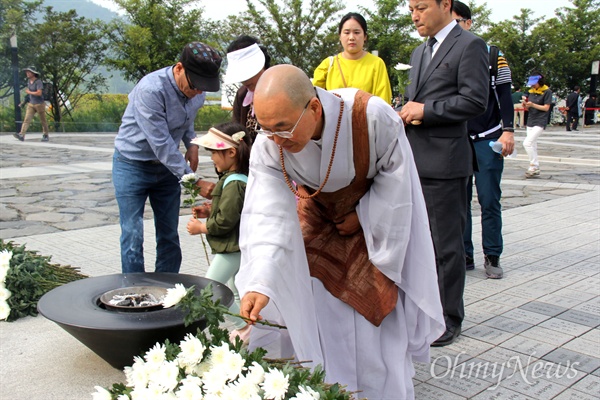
point(246, 61)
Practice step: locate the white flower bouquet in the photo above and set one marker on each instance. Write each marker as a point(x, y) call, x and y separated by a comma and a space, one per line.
point(25, 277)
point(209, 367)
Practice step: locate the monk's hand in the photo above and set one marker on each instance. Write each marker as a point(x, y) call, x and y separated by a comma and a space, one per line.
point(251, 306)
point(348, 225)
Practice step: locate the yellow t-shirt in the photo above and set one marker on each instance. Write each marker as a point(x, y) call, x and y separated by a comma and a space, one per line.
point(368, 73)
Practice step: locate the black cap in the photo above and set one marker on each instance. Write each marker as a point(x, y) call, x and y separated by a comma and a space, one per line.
point(201, 63)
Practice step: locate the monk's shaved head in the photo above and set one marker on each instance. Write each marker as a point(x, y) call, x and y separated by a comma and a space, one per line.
point(287, 81)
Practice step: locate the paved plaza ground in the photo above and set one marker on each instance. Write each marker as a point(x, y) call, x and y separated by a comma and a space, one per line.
point(533, 335)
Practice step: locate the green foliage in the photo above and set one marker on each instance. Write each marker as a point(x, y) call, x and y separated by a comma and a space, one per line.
point(30, 276)
point(152, 34)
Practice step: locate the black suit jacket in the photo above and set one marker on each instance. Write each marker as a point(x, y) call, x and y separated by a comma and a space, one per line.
point(454, 89)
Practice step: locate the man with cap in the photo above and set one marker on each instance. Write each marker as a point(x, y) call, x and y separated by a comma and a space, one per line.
point(246, 62)
point(147, 162)
point(36, 104)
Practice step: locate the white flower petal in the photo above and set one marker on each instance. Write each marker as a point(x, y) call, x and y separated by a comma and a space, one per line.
point(101, 394)
point(174, 295)
point(4, 310)
point(275, 384)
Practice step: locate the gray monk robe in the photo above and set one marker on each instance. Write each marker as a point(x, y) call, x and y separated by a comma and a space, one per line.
point(324, 329)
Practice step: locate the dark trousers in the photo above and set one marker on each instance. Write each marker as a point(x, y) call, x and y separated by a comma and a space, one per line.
point(572, 120)
point(446, 201)
point(487, 181)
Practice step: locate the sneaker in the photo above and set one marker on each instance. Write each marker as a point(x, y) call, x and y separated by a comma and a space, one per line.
point(469, 263)
point(532, 172)
point(243, 334)
point(19, 136)
point(45, 138)
point(492, 267)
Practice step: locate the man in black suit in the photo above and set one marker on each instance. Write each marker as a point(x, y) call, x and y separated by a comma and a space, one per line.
point(449, 85)
point(573, 109)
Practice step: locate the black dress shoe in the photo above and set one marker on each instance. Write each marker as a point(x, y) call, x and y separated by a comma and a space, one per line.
point(452, 332)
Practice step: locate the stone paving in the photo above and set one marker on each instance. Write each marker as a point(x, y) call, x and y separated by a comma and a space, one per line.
point(533, 335)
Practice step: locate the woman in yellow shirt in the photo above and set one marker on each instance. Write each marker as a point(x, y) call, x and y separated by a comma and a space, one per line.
point(354, 67)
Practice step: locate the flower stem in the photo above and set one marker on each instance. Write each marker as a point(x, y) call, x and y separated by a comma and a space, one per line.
point(262, 322)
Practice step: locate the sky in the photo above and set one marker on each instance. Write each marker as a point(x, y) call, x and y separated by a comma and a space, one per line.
point(501, 9)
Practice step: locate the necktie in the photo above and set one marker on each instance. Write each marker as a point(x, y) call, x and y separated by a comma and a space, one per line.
point(427, 54)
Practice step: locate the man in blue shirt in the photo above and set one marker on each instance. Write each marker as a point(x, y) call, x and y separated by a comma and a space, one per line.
point(147, 162)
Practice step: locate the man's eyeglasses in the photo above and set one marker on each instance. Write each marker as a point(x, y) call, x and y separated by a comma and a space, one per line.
point(284, 134)
point(459, 20)
point(192, 87)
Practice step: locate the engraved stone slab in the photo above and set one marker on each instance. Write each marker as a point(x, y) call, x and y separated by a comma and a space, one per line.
point(500, 393)
point(493, 308)
point(508, 324)
point(583, 346)
point(476, 314)
point(580, 317)
point(588, 285)
point(525, 316)
point(532, 387)
point(547, 335)
point(488, 334)
point(591, 307)
point(570, 358)
point(593, 335)
point(543, 308)
point(571, 394)
point(428, 392)
point(470, 346)
point(563, 326)
point(561, 301)
point(528, 346)
point(464, 386)
point(590, 385)
point(575, 294)
point(504, 298)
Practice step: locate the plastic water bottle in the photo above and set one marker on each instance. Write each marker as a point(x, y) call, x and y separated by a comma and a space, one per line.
point(497, 147)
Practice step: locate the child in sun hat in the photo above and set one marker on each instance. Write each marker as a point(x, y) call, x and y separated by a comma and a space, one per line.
point(229, 145)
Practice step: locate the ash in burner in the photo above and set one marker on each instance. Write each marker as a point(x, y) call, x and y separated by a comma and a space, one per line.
point(134, 300)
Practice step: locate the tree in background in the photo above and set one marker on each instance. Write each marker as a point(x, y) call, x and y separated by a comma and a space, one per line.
point(68, 49)
point(152, 34)
point(295, 34)
point(15, 17)
point(390, 30)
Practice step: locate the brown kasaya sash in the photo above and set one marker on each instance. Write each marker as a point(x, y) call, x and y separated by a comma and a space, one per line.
point(342, 262)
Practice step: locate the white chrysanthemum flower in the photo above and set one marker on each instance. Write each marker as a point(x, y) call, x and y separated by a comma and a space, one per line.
point(3, 273)
point(214, 380)
point(5, 257)
point(187, 178)
point(174, 295)
point(189, 391)
point(4, 293)
point(218, 355)
point(137, 374)
point(123, 397)
point(101, 394)
point(256, 373)
point(4, 310)
point(168, 374)
point(156, 355)
point(149, 393)
point(275, 385)
point(402, 67)
point(192, 351)
point(199, 369)
point(233, 364)
point(245, 389)
point(306, 393)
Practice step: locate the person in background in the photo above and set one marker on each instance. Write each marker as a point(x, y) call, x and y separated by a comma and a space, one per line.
point(354, 67)
point(537, 103)
point(229, 145)
point(496, 124)
point(247, 59)
point(446, 91)
point(573, 108)
point(36, 104)
point(147, 163)
point(349, 268)
point(519, 115)
point(590, 104)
